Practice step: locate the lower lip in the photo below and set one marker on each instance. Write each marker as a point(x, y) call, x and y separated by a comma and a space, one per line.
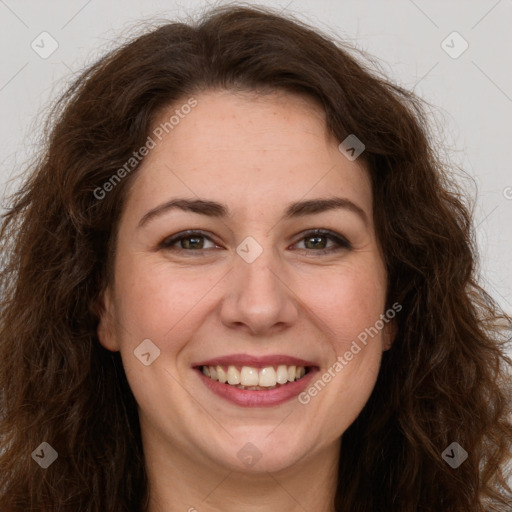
point(252, 398)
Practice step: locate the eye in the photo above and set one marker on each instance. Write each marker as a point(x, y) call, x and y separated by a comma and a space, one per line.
point(314, 240)
point(317, 239)
point(188, 241)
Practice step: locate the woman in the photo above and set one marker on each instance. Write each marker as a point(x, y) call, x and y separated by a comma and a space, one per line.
point(240, 278)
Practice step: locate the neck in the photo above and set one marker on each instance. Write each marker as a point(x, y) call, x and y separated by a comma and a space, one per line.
point(184, 482)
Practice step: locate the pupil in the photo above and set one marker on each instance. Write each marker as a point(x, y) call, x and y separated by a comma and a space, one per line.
point(317, 238)
point(191, 245)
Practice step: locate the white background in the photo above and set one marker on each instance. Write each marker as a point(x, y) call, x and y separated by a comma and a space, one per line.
point(472, 94)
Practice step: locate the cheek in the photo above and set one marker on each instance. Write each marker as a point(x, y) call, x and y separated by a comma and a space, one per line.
point(348, 308)
point(156, 302)
point(349, 300)
point(163, 305)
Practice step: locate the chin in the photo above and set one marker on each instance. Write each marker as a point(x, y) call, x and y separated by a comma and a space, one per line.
point(259, 451)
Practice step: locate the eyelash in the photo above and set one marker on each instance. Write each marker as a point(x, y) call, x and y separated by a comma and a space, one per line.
point(342, 243)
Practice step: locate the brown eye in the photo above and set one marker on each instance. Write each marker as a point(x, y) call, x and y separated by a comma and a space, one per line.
point(318, 239)
point(188, 241)
point(315, 241)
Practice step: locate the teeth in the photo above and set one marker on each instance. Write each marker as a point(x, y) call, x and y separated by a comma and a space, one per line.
point(268, 377)
point(221, 374)
point(233, 375)
point(249, 376)
point(253, 378)
point(282, 374)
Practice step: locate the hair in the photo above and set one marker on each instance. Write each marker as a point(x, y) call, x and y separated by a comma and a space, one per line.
point(444, 380)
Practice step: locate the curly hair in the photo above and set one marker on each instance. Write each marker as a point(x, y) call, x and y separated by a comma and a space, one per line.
point(444, 380)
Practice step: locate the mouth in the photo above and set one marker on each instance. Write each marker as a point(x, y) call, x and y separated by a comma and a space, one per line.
point(255, 379)
point(255, 382)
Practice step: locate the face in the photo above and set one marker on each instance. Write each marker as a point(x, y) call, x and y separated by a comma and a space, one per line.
point(235, 276)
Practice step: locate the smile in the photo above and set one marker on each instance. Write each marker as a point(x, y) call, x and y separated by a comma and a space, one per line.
point(255, 379)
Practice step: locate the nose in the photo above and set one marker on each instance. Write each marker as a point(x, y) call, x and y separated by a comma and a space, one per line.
point(258, 298)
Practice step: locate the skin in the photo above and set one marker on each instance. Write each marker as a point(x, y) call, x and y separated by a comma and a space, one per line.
point(256, 154)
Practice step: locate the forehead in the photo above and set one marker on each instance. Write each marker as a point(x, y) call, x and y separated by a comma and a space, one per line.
point(248, 150)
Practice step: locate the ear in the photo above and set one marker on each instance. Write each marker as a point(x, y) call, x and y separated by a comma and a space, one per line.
point(106, 331)
point(389, 335)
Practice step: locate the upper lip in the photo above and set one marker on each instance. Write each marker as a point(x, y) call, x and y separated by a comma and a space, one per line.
point(255, 361)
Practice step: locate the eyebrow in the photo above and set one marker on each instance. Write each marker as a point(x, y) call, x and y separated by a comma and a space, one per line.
point(219, 210)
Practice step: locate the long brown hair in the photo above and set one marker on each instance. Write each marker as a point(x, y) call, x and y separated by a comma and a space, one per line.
point(443, 381)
